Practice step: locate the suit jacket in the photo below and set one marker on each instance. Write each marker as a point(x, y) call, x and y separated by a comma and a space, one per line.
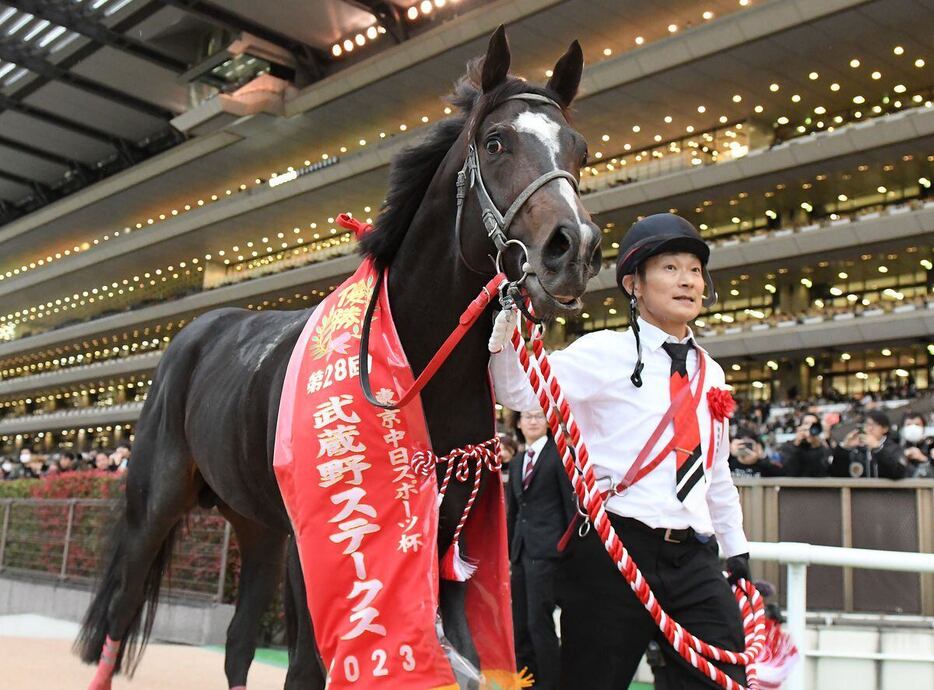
point(537, 517)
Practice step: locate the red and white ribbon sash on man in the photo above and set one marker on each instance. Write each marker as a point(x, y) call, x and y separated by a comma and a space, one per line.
point(366, 524)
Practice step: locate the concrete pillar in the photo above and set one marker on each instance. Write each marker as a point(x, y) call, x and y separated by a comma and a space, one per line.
point(214, 274)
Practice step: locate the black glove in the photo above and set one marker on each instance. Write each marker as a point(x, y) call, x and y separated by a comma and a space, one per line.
point(737, 568)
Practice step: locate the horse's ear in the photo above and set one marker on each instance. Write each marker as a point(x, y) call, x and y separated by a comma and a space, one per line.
point(566, 76)
point(496, 62)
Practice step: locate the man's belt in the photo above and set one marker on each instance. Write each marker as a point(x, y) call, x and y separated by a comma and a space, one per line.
point(668, 534)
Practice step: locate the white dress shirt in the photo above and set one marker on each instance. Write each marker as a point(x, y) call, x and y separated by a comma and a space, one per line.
point(616, 420)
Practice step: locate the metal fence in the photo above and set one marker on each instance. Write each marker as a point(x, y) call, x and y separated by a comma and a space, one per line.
point(849, 513)
point(67, 539)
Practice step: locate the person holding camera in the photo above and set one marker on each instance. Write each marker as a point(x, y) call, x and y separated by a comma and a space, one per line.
point(749, 459)
point(808, 455)
point(918, 448)
point(867, 451)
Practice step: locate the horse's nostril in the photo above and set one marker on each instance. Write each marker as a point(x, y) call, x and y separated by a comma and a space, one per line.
point(559, 244)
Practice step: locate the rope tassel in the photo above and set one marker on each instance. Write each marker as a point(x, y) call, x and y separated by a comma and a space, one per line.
point(563, 426)
point(455, 565)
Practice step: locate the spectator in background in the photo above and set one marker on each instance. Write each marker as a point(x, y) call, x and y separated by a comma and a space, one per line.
point(121, 456)
point(867, 451)
point(918, 448)
point(748, 457)
point(507, 451)
point(104, 461)
point(808, 455)
point(6, 469)
point(540, 506)
point(34, 467)
point(67, 462)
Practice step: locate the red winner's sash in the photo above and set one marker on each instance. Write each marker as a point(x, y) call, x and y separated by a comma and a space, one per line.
point(365, 522)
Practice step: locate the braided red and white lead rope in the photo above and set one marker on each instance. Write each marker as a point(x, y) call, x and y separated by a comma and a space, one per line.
point(694, 650)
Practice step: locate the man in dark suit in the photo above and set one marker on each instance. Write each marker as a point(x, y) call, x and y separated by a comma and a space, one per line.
point(540, 507)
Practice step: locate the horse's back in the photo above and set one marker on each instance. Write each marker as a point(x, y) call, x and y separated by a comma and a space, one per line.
point(215, 397)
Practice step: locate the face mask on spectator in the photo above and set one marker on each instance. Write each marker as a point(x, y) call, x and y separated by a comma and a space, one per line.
point(912, 433)
point(7, 466)
point(25, 456)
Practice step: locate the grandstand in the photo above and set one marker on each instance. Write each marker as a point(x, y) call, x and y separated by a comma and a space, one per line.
point(162, 158)
point(145, 180)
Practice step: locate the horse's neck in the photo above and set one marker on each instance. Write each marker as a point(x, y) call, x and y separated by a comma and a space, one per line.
point(429, 288)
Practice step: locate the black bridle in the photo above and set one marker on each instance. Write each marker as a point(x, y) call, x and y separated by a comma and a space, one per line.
point(496, 225)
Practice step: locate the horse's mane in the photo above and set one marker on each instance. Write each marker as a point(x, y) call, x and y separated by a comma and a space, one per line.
point(413, 169)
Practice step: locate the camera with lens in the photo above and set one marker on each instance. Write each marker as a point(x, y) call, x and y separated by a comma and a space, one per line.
point(815, 429)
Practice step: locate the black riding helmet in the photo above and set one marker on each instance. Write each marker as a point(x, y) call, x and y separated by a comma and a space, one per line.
point(657, 234)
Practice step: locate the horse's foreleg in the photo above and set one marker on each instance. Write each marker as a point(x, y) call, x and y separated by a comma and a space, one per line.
point(262, 551)
point(456, 629)
point(306, 672)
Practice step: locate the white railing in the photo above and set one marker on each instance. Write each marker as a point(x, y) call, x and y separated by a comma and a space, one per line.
point(799, 556)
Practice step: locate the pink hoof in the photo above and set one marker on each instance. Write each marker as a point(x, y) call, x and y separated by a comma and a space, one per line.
point(106, 666)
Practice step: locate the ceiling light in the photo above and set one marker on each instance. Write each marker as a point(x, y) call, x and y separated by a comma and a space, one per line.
point(372, 32)
point(900, 88)
point(758, 109)
point(412, 13)
point(795, 98)
point(859, 100)
point(876, 75)
point(774, 87)
point(672, 28)
point(919, 62)
point(842, 275)
point(708, 15)
point(425, 7)
point(668, 119)
point(639, 40)
point(854, 63)
point(636, 128)
point(883, 269)
point(607, 52)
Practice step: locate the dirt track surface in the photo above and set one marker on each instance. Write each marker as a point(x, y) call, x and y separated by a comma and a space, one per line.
point(48, 664)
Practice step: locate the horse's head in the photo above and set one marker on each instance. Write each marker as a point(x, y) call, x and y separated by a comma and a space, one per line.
point(527, 161)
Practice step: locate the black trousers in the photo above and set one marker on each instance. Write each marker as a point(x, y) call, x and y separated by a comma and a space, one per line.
point(533, 608)
point(605, 629)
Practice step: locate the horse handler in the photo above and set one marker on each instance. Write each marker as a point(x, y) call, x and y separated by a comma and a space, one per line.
point(652, 408)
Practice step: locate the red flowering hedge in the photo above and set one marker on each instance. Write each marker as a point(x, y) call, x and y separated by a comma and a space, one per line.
point(36, 538)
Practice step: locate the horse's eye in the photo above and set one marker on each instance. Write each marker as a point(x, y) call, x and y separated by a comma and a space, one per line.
point(494, 146)
point(584, 160)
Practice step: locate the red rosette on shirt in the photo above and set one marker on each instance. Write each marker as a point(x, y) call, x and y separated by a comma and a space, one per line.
point(721, 403)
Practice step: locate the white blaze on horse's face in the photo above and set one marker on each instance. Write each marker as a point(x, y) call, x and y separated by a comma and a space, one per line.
point(547, 131)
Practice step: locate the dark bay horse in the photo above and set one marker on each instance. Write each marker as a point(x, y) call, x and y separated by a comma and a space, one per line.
point(207, 430)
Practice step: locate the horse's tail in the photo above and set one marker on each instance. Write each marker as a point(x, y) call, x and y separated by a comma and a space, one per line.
point(96, 624)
